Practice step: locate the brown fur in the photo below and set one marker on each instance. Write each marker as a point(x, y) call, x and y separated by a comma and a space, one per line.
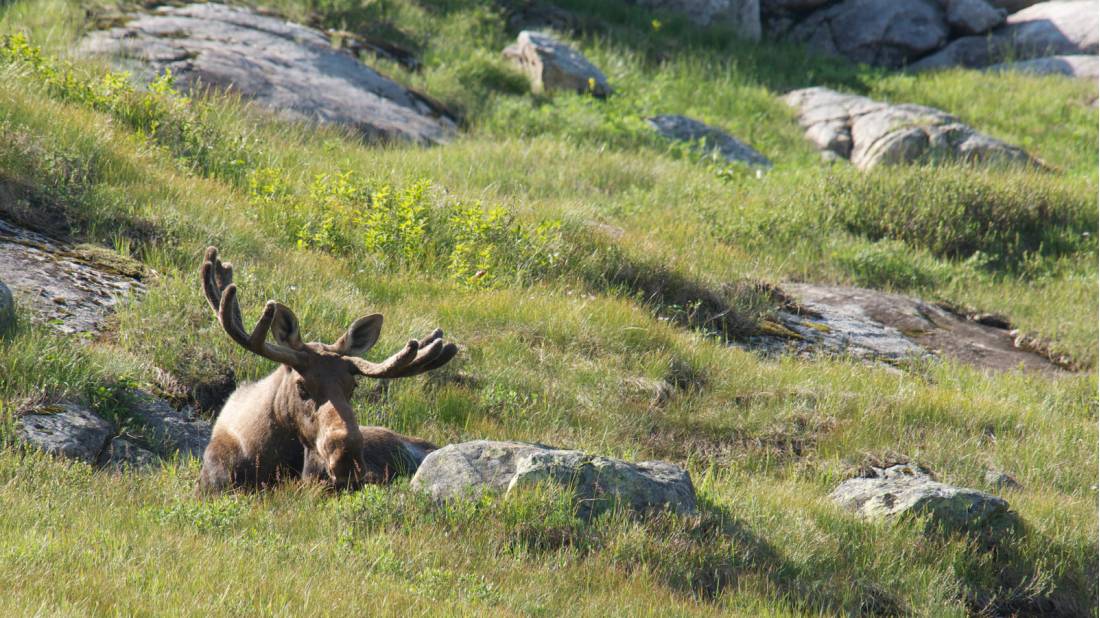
point(298, 422)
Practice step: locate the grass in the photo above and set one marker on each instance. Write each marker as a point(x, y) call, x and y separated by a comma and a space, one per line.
point(608, 255)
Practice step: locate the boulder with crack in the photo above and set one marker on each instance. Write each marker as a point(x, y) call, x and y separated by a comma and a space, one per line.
point(552, 65)
point(905, 489)
point(882, 327)
point(70, 288)
point(286, 67)
point(469, 469)
point(707, 139)
point(65, 429)
point(870, 133)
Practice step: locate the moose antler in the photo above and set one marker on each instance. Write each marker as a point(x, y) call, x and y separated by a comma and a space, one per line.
point(221, 293)
point(415, 358)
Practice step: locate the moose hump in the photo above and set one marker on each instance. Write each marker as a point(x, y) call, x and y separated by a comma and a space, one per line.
point(284, 66)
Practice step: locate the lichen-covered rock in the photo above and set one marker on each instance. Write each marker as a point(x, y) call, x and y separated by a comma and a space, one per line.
point(1044, 29)
point(871, 133)
point(885, 33)
point(7, 308)
point(65, 429)
point(122, 454)
point(908, 490)
point(1079, 65)
point(283, 66)
point(743, 16)
point(552, 65)
point(709, 139)
point(67, 288)
point(167, 430)
point(973, 16)
point(470, 469)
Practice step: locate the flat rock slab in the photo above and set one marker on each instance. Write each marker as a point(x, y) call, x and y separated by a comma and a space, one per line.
point(908, 490)
point(877, 326)
point(1044, 29)
point(469, 469)
point(169, 431)
point(552, 65)
point(870, 133)
point(284, 66)
point(1080, 66)
point(707, 139)
point(60, 285)
point(64, 429)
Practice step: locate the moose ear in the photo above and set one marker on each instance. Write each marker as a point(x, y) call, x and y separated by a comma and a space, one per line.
point(361, 336)
point(284, 328)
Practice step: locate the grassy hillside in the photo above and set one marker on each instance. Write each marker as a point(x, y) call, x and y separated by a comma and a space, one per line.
point(606, 258)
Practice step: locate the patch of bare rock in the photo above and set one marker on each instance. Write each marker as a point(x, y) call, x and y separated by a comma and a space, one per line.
point(70, 288)
point(154, 431)
point(552, 65)
point(880, 327)
point(286, 67)
point(707, 140)
point(470, 469)
point(870, 133)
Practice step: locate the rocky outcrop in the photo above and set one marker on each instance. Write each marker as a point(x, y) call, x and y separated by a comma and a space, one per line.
point(707, 140)
point(907, 490)
point(470, 469)
point(64, 429)
point(7, 308)
point(69, 288)
point(283, 66)
point(1080, 66)
point(871, 133)
point(168, 431)
point(973, 16)
point(122, 455)
point(1041, 30)
point(880, 327)
point(552, 65)
point(743, 16)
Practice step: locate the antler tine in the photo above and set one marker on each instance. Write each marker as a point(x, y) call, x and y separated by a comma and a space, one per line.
point(442, 357)
point(391, 366)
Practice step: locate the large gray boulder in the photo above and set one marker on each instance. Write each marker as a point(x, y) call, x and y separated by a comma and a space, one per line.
point(1080, 66)
point(886, 33)
point(122, 454)
point(902, 490)
point(707, 138)
point(286, 67)
point(168, 431)
point(871, 133)
point(65, 429)
point(470, 469)
point(7, 308)
point(70, 289)
point(741, 15)
point(1044, 29)
point(552, 65)
point(973, 16)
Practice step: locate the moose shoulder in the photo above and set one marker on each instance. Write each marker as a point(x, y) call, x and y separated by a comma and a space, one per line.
point(298, 422)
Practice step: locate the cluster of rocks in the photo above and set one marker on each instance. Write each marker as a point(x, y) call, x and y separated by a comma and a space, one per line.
point(870, 133)
point(69, 288)
point(155, 431)
point(879, 327)
point(283, 66)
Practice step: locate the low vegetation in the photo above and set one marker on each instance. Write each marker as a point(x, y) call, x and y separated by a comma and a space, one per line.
point(595, 277)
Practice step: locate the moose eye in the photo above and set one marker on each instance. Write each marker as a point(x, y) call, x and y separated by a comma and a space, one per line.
point(302, 392)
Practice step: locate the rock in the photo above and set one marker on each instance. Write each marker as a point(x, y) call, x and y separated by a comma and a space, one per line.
point(871, 133)
point(715, 140)
point(1001, 480)
point(741, 15)
point(885, 33)
point(284, 66)
point(1080, 66)
point(7, 308)
point(122, 454)
point(973, 16)
point(877, 326)
point(167, 430)
point(66, 429)
point(908, 490)
point(69, 288)
point(1011, 6)
point(471, 468)
point(773, 6)
point(552, 65)
point(1044, 29)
